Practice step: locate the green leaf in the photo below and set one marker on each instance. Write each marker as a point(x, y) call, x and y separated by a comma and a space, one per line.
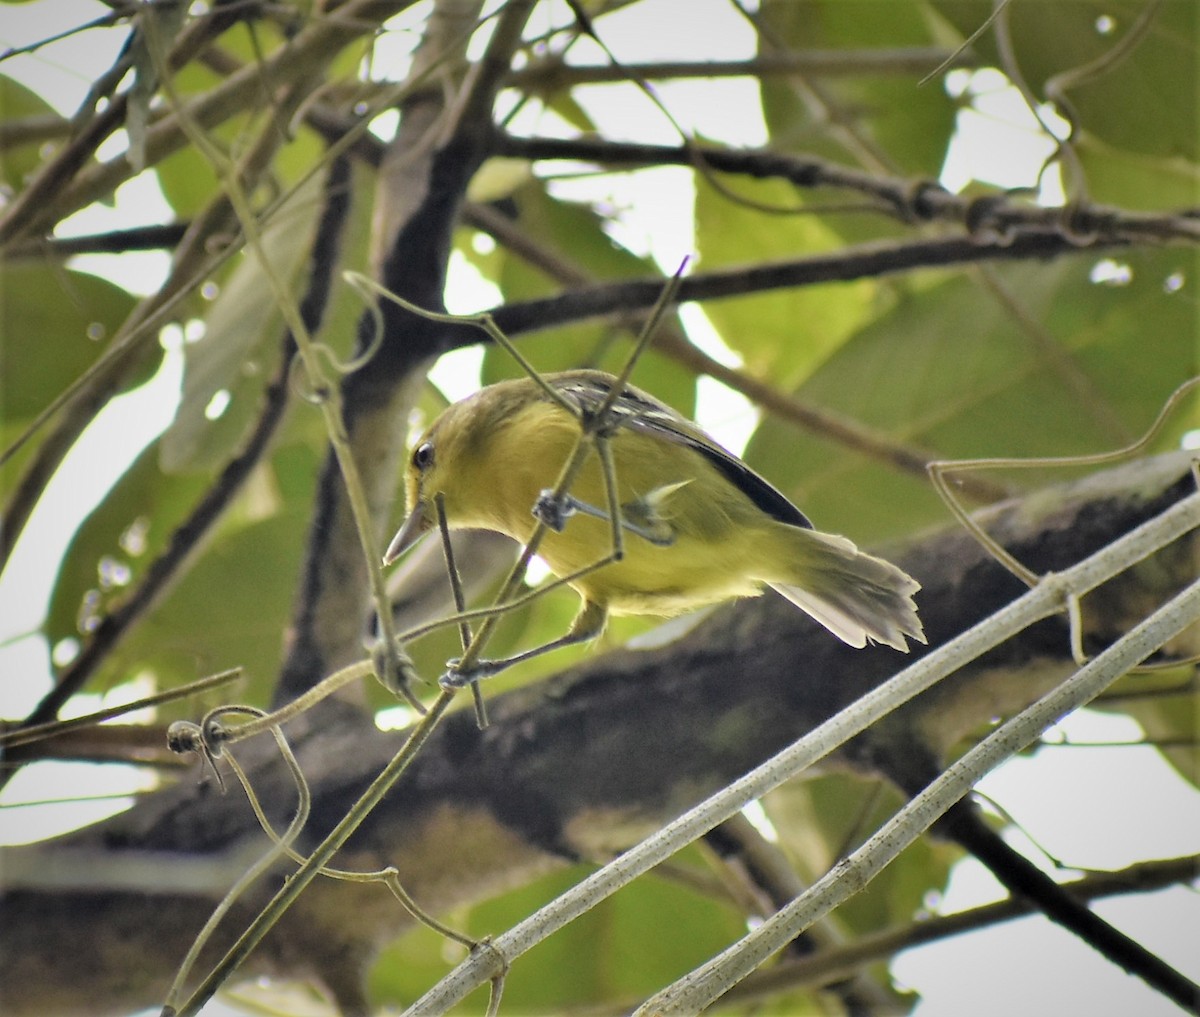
point(566, 106)
point(1135, 181)
point(232, 605)
point(1145, 102)
point(1164, 705)
point(54, 323)
point(822, 819)
point(18, 103)
point(784, 335)
point(188, 180)
point(952, 370)
point(624, 948)
point(857, 118)
point(144, 504)
point(498, 178)
point(238, 348)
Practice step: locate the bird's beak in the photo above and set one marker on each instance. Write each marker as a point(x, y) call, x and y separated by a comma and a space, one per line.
point(410, 532)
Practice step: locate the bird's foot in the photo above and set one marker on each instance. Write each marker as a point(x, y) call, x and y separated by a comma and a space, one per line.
point(457, 677)
point(554, 511)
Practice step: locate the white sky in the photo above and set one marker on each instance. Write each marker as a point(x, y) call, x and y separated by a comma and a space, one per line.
point(1097, 807)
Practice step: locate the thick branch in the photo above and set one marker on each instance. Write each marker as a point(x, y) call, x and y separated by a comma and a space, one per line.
point(864, 261)
point(423, 180)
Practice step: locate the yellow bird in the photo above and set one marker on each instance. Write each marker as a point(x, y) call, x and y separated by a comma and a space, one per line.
point(699, 525)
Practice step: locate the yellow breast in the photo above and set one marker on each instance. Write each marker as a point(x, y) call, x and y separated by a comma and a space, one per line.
point(710, 559)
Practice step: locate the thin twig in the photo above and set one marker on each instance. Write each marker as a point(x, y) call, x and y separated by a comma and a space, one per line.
point(544, 76)
point(278, 850)
point(938, 472)
point(11, 738)
point(705, 984)
point(460, 602)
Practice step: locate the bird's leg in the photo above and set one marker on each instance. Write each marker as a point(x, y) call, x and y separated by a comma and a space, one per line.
point(588, 624)
point(638, 517)
point(642, 517)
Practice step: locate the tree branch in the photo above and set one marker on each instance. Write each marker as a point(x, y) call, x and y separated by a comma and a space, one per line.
point(422, 183)
point(907, 200)
point(75, 184)
point(841, 961)
point(36, 205)
point(863, 261)
point(545, 76)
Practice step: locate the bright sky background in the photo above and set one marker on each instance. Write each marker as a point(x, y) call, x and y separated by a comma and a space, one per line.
point(1089, 806)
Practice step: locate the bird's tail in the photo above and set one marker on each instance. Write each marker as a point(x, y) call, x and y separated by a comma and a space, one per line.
point(857, 596)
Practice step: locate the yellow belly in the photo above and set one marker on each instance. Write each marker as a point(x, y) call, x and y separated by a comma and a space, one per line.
point(710, 559)
point(649, 579)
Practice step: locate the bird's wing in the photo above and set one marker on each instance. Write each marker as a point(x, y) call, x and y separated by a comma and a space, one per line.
point(643, 413)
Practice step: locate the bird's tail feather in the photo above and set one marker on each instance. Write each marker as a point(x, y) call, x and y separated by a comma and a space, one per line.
point(857, 596)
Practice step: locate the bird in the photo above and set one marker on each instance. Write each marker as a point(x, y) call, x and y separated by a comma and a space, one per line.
point(698, 525)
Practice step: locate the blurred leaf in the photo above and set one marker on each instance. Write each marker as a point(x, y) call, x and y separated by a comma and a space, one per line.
point(144, 503)
point(1126, 103)
point(821, 820)
point(889, 120)
point(188, 180)
point(497, 178)
point(1137, 181)
point(565, 105)
point(949, 369)
point(230, 608)
point(18, 103)
point(1171, 721)
point(55, 324)
point(239, 345)
point(783, 335)
point(624, 948)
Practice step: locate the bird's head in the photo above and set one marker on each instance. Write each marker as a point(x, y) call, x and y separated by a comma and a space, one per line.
point(450, 459)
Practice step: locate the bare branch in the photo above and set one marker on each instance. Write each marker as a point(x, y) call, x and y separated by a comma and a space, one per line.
point(907, 200)
point(550, 75)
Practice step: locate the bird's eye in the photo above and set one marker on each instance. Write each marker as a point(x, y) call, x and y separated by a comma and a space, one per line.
point(422, 457)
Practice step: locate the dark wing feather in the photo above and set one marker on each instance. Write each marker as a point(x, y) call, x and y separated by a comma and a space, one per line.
point(641, 412)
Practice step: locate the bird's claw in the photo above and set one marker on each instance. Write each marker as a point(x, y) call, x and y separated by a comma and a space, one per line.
point(457, 678)
point(553, 511)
